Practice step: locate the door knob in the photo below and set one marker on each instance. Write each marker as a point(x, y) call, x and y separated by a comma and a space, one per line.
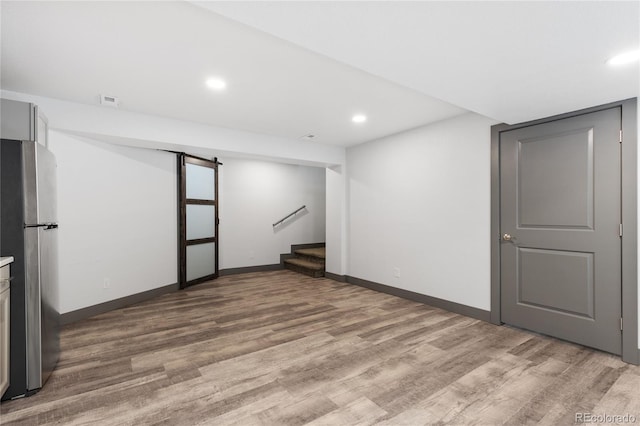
point(506, 237)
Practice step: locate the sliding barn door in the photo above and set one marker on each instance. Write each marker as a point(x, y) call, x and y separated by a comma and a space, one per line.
point(198, 222)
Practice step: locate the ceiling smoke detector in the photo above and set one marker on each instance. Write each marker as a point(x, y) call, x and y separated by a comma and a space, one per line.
point(111, 101)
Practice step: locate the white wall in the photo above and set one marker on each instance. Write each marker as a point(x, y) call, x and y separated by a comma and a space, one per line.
point(118, 220)
point(337, 208)
point(420, 202)
point(117, 215)
point(254, 195)
point(117, 196)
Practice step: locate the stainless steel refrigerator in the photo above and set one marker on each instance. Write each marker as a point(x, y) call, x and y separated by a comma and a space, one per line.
point(29, 233)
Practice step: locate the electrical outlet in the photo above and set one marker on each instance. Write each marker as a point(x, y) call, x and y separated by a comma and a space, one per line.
point(396, 272)
point(106, 283)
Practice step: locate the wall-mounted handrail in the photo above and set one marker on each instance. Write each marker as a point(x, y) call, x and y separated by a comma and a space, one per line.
point(289, 215)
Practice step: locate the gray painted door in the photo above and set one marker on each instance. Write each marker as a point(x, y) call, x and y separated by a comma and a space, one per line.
point(560, 227)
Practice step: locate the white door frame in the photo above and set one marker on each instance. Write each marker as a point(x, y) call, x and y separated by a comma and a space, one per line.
point(630, 351)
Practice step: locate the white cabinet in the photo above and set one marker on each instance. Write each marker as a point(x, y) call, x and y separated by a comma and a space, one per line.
point(4, 323)
point(23, 121)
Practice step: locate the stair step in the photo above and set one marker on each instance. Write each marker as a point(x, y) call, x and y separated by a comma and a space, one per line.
point(304, 263)
point(319, 252)
point(309, 261)
point(313, 269)
point(315, 260)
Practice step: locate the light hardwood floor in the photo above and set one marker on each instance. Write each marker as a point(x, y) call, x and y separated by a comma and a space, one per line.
point(279, 348)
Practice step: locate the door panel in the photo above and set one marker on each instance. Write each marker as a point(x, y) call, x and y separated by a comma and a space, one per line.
point(556, 190)
point(201, 182)
point(560, 206)
point(200, 221)
point(201, 261)
point(556, 280)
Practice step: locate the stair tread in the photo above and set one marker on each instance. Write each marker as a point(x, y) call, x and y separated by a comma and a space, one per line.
point(305, 263)
point(319, 252)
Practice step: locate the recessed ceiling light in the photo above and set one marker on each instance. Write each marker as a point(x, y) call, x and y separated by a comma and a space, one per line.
point(625, 58)
point(359, 118)
point(216, 83)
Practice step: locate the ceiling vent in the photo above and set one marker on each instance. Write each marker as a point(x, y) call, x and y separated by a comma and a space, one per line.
point(111, 101)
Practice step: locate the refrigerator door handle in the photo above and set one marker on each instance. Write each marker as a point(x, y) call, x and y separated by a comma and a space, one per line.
point(46, 226)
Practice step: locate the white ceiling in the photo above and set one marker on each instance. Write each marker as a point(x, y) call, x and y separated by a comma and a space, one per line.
point(156, 57)
point(513, 61)
point(295, 68)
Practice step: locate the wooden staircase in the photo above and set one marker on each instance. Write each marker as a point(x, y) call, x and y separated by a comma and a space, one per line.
point(308, 261)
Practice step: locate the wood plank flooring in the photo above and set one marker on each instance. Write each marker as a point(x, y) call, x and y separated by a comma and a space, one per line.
point(280, 348)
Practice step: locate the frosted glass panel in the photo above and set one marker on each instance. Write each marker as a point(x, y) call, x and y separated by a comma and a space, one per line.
point(200, 182)
point(200, 260)
point(200, 221)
